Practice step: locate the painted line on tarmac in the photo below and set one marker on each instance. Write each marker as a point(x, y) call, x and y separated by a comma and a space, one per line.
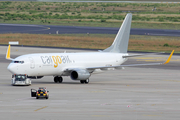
point(147, 59)
point(159, 60)
point(150, 58)
point(40, 108)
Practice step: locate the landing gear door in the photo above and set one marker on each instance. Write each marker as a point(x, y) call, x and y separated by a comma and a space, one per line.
point(33, 92)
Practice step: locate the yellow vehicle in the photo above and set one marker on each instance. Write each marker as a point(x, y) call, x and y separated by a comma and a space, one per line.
point(42, 92)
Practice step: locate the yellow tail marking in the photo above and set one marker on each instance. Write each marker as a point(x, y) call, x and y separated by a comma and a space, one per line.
point(8, 52)
point(169, 57)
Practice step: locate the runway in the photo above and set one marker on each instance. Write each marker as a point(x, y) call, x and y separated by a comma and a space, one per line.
point(52, 29)
point(133, 93)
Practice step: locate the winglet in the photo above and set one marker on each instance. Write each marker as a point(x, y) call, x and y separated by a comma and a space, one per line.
point(8, 52)
point(169, 57)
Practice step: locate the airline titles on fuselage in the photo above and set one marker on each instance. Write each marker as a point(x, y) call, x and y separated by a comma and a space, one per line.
point(56, 60)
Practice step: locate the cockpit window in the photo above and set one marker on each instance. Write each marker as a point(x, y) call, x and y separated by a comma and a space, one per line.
point(18, 62)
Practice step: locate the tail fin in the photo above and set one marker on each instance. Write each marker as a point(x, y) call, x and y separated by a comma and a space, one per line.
point(120, 44)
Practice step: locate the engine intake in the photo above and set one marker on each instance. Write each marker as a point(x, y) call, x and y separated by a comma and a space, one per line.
point(80, 74)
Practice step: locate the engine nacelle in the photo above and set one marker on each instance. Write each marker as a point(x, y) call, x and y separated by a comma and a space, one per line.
point(80, 74)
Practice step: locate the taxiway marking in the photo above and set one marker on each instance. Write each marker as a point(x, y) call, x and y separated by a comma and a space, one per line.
point(40, 108)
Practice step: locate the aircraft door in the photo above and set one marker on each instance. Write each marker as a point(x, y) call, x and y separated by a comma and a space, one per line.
point(33, 92)
point(32, 63)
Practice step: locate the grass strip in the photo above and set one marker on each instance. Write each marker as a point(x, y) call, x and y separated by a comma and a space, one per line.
point(95, 41)
point(145, 15)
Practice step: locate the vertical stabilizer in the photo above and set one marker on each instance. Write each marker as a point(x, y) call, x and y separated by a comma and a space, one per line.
point(120, 44)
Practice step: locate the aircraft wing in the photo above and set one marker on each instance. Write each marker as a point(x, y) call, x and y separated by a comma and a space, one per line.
point(131, 65)
point(136, 55)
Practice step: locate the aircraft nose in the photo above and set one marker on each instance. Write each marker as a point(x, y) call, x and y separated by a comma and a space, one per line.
point(12, 68)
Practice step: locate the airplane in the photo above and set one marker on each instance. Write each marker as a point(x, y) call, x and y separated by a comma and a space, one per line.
point(79, 66)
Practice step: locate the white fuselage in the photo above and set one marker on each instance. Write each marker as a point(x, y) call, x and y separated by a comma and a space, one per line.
point(53, 64)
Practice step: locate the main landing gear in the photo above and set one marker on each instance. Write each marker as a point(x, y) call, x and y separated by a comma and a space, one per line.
point(58, 79)
point(84, 81)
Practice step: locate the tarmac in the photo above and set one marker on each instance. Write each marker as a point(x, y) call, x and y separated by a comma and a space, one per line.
point(135, 93)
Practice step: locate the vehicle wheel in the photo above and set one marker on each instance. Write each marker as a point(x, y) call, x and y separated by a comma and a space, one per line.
point(86, 81)
point(37, 97)
point(46, 97)
point(82, 81)
point(60, 79)
point(55, 79)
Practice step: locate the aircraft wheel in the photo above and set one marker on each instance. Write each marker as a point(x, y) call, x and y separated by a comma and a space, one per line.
point(60, 79)
point(82, 81)
point(55, 79)
point(86, 81)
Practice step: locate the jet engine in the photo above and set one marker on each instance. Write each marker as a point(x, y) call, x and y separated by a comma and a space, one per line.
point(80, 74)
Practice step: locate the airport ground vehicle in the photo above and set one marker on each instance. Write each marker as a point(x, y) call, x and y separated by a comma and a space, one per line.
point(42, 92)
point(20, 80)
